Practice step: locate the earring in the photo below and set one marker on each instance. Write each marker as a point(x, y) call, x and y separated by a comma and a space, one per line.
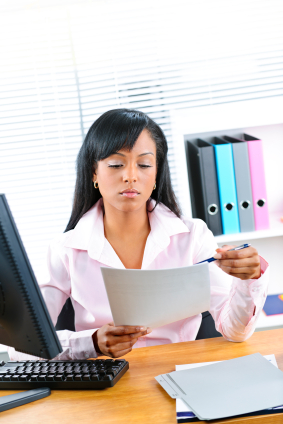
point(95, 184)
point(154, 187)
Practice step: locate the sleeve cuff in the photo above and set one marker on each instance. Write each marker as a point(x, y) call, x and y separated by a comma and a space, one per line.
point(77, 345)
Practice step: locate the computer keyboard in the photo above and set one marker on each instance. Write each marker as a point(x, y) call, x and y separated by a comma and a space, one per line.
point(82, 374)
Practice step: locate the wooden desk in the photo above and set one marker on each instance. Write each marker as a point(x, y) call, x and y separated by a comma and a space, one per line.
point(137, 397)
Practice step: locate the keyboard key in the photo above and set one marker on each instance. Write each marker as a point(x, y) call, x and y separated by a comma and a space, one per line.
point(107, 377)
point(33, 377)
point(109, 361)
point(42, 377)
point(7, 378)
point(86, 377)
point(23, 377)
point(15, 377)
point(70, 377)
point(78, 377)
point(59, 377)
point(94, 377)
point(120, 361)
point(50, 377)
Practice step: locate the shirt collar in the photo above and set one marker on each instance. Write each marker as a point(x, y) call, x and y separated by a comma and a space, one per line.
point(89, 232)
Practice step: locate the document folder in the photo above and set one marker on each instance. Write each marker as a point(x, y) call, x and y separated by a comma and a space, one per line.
point(203, 184)
point(226, 389)
point(184, 413)
point(226, 185)
point(243, 183)
point(260, 203)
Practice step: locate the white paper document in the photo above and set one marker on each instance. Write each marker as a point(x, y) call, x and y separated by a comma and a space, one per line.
point(153, 298)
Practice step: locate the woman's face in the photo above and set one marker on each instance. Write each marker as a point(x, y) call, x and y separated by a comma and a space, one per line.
point(126, 178)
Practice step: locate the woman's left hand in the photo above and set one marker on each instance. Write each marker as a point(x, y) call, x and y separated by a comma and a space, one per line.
point(243, 264)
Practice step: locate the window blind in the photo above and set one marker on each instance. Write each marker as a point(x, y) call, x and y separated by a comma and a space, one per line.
point(63, 64)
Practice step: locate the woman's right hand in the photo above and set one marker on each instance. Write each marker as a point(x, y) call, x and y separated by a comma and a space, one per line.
point(118, 341)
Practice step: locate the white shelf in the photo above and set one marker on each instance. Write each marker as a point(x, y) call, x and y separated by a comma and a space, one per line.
point(269, 321)
point(262, 118)
point(275, 230)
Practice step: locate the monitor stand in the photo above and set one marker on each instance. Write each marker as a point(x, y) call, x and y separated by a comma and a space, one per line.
point(18, 399)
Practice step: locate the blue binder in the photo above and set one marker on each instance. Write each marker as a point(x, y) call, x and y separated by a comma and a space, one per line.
point(273, 305)
point(226, 185)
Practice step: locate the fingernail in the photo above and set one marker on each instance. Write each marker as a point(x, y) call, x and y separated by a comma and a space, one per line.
point(217, 256)
point(140, 328)
point(149, 330)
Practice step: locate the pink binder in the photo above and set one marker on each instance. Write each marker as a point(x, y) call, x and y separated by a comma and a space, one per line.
point(258, 182)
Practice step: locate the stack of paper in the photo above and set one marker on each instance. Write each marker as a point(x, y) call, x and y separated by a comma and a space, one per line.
point(225, 389)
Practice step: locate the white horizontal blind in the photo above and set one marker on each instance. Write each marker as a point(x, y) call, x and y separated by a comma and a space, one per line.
point(63, 65)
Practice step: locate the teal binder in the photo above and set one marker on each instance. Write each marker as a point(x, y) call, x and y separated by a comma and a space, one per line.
point(226, 185)
point(243, 182)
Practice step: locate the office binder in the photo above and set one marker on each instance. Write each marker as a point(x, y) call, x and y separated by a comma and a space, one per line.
point(260, 203)
point(203, 183)
point(226, 185)
point(243, 183)
point(273, 305)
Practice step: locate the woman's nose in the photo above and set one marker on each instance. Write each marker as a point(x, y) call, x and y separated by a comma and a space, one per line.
point(130, 175)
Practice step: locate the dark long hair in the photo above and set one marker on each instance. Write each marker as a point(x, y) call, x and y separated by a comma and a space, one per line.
point(115, 130)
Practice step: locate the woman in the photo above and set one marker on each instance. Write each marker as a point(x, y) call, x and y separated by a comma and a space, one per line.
point(125, 214)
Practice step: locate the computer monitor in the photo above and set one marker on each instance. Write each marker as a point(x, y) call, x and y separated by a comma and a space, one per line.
point(25, 323)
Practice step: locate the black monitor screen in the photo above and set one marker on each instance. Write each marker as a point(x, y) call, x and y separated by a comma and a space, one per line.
point(25, 323)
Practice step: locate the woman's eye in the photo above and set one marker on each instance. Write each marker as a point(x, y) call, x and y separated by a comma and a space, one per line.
point(120, 165)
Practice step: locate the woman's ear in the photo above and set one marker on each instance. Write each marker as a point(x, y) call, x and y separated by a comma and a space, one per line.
point(94, 176)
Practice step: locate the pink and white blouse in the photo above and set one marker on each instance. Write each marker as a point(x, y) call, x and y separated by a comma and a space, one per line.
point(75, 258)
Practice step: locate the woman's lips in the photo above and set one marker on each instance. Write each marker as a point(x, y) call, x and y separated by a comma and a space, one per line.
point(129, 194)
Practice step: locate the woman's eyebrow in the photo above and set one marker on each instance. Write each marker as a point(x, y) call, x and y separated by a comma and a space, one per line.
point(147, 153)
point(142, 154)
